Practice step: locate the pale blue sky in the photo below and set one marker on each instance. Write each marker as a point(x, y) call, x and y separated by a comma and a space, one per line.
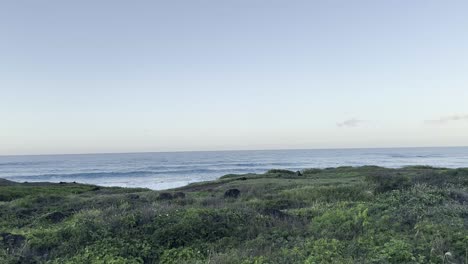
point(125, 76)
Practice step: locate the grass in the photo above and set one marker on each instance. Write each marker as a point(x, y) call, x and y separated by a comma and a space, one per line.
point(364, 214)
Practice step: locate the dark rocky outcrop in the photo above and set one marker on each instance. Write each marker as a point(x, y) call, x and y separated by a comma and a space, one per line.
point(232, 193)
point(12, 241)
point(459, 196)
point(165, 196)
point(179, 195)
point(133, 196)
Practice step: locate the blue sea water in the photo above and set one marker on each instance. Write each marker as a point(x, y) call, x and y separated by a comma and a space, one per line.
point(164, 170)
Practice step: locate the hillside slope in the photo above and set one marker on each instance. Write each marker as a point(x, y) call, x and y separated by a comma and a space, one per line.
point(337, 215)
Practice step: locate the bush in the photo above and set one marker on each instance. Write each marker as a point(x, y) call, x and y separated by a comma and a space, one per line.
point(326, 251)
point(281, 171)
point(190, 227)
point(342, 222)
point(181, 256)
point(328, 193)
point(311, 171)
point(396, 251)
point(385, 181)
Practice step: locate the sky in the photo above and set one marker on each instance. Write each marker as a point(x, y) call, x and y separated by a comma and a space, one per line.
point(95, 76)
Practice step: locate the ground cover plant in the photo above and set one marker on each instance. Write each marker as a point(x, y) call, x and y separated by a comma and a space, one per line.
point(364, 214)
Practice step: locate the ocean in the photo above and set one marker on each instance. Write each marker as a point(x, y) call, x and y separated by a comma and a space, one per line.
point(163, 170)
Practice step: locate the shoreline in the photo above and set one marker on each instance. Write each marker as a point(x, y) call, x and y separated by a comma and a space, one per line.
point(170, 170)
point(207, 181)
point(43, 183)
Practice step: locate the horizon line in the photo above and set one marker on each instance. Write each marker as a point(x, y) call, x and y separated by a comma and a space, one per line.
point(226, 150)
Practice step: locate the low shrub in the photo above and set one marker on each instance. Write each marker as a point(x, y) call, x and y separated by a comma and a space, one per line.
point(280, 171)
point(388, 181)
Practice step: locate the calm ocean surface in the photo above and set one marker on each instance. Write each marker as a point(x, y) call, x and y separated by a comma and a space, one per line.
point(173, 169)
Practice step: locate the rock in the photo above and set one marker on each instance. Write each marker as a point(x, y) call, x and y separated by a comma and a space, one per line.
point(56, 217)
point(133, 196)
point(243, 178)
point(179, 195)
point(232, 193)
point(12, 240)
point(165, 196)
point(298, 173)
point(459, 196)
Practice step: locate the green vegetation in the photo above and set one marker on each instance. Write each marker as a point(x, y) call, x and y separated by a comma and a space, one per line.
point(336, 215)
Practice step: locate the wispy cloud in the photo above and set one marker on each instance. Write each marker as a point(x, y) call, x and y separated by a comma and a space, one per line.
point(446, 119)
point(353, 122)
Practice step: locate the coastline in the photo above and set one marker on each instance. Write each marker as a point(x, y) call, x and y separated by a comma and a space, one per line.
point(159, 171)
point(333, 215)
